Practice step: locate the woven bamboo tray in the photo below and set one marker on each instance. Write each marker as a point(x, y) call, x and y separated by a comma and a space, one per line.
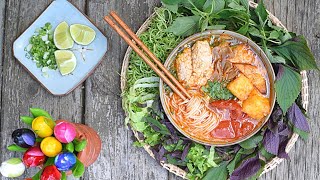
point(178, 171)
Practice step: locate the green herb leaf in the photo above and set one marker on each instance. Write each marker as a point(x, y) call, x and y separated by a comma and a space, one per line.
point(184, 26)
point(297, 51)
point(79, 145)
point(288, 87)
point(217, 91)
point(251, 142)
point(27, 120)
point(163, 129)
point(14, 147)
point(171, 2)
point(304, 135)
point(266, 154)
point(219, 172)
point(262, 12)
point(78, 169)
point(173, 8)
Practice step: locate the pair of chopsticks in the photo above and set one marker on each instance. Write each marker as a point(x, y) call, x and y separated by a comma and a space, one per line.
point(164, 74)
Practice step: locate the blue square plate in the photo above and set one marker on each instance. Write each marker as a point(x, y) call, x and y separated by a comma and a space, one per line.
point(55, 83)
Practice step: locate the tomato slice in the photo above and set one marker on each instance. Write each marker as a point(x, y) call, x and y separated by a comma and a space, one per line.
point(232, 105)
point(242, 128)
point(224, 130)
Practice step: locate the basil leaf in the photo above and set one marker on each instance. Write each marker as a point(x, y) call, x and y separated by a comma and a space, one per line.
point(184, 26)
point(78, 169)
point(251, 142)
point(219, 172)
point(297, 51)
point(14, 147)
point(27, 120)
point(79, 145)
point(288, 87)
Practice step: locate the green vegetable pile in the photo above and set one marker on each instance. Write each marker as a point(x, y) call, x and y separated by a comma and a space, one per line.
point(288, 53)
point(217, 91)
point(41, 47)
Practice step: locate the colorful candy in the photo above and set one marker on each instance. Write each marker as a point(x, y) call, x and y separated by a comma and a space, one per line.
point(12, 168)
point(33, 157)
point(24, 137)
point(65, 161)
point(50, 173)
point(43, 126)
point(65, 132)
point(50, 146)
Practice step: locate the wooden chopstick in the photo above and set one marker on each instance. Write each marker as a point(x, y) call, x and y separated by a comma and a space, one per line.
point(143, 56)
point(148, 52)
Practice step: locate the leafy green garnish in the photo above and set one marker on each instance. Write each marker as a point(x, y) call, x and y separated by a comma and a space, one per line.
point(41, 48)
point(288, 87)
point(296, 50)
point(251, 142)
point(219, 172)
point(217, 91)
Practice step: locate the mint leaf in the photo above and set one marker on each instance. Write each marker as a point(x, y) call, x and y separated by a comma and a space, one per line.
point(184, 26)
point(288, 87)
point(251, 142)
point(219, 172)
point(297, 51)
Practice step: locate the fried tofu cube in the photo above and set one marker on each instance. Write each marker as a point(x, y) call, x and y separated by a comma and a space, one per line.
point(256, 106)
point(242, 54)
point(253, 74)
point(241, 87)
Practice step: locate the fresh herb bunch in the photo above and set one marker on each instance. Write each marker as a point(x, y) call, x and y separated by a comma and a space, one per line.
point(41, 47)
point(217, 91)
point(288, 53)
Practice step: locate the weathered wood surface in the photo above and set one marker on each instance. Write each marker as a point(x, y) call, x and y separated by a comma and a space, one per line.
point(97, 102)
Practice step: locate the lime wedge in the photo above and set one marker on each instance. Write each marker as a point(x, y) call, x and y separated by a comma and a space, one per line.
point(61, 37)
point(82, 34)
point(66, 61)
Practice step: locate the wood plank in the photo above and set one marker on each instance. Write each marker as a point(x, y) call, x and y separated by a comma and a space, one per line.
point(302, 17)
point(21, 91)
point(118, 159)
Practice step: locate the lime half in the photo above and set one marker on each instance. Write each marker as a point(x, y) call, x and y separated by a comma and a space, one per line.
point(62, 38)
point(66, 61)
point(82, 34)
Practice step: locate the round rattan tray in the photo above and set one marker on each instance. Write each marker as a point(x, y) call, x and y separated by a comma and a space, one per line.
point(178, 171)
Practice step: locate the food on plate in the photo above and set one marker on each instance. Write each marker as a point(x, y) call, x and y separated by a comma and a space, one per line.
point(229, 88)
point(62, 38)
point(82, 34)
point(41, 47)
point(66, 60)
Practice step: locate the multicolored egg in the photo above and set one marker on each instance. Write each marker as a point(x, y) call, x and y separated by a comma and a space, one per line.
point(65, 161)
point(12, 168)
point(50, 146)
point(43, 126)
point(50, 173)
point(24, 137)
point(65, 132)
point(33, 157)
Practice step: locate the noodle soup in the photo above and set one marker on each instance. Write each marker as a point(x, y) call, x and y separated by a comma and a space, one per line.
point(231, 84)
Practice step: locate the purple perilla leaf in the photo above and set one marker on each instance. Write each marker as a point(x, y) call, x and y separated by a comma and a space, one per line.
point(282, 150)
point(297, 118)
point(271, 142)
point(246, 169)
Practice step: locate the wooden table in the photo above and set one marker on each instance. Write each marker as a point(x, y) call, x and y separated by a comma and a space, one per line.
point(97, 101)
